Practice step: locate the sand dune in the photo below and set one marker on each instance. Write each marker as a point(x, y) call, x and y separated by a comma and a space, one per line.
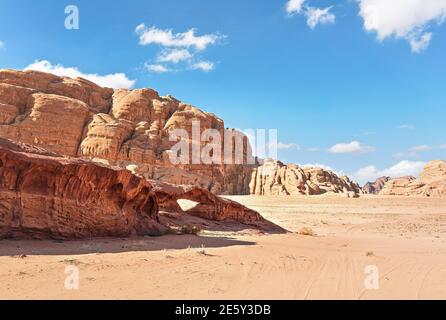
point(403, 237)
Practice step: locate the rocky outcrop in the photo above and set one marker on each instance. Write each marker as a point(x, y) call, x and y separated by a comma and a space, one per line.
point(44, 195)
point(276, 178)
point(375, 187)
point(125, 128)
point(431, 183)
point(208, 206)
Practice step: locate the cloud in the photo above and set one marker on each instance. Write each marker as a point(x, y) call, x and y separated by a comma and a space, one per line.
point(401, 169)
point(167, 38)
point(403, 19)
point(413, 151)
point(294, 6)
point(2, 44)
point(313, 149)
point(407, 126)
point(156, 68)
point(177, 48)
point(174, 55)
point(421, 148)
point(115, 81)
point(314, 15)
point(425, 147)
point(354, 147)
point(317, 16)
point(205, 66)
point(287, 146)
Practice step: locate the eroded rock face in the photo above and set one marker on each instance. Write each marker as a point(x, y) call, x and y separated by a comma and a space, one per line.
point(44, 195)
point(375, 187)
point(209, 206)
point(77, 118)
point(276, 178)
point(431, 183)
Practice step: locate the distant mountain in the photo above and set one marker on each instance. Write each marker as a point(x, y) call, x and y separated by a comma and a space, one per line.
point(276, 178)
point(375, 187)
point(431, 183)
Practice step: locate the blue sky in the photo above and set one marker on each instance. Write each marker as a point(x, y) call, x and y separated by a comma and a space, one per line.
point(358, 86)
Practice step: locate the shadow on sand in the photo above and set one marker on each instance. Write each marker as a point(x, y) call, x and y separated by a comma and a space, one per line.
point(102, 246)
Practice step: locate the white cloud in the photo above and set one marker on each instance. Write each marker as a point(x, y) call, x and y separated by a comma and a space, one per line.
point(174, 55)
point(354, 147)
point(314, 15)
point(425, 147)
point(407, 126)
point(413, 151)
point(401, 169)
point(167, 38)
point(115, 81)
point(317, 16)
point(2, 44)
point(156, 68)
point(404, 19)
point(205, 66)
point(419, 42)
point(294, 6)
point(287, 146)
point(177, 47)
point(421, 148)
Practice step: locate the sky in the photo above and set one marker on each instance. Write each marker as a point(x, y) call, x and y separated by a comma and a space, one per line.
point(357, 86)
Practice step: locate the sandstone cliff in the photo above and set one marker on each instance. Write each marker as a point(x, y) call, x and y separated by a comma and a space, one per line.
point(431, 183)
point(45, 195)
point(375, 187)
point(42, 194)
point(126, 128)
point(276, 178)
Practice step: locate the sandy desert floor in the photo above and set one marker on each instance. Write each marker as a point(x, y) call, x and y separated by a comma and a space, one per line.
point(403, 238)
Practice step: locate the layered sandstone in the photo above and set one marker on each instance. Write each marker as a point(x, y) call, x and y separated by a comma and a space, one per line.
point(208, 206)
point(375, 187)
point(276, 178)
point(126, 128)
point(45, 195)
point(431, 183)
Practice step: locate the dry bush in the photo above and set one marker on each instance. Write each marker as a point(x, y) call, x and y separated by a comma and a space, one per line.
point(307, 232)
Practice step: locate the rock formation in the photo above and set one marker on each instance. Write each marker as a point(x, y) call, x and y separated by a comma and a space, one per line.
point(208, 206)
point(276, 178)
point(126, 128)
point(44, 195)
point(431, 183)
point(375, 187)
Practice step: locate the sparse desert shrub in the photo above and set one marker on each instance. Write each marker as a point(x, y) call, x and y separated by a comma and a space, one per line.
point(202, 251)
point(307, 232)
point(190, 229)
